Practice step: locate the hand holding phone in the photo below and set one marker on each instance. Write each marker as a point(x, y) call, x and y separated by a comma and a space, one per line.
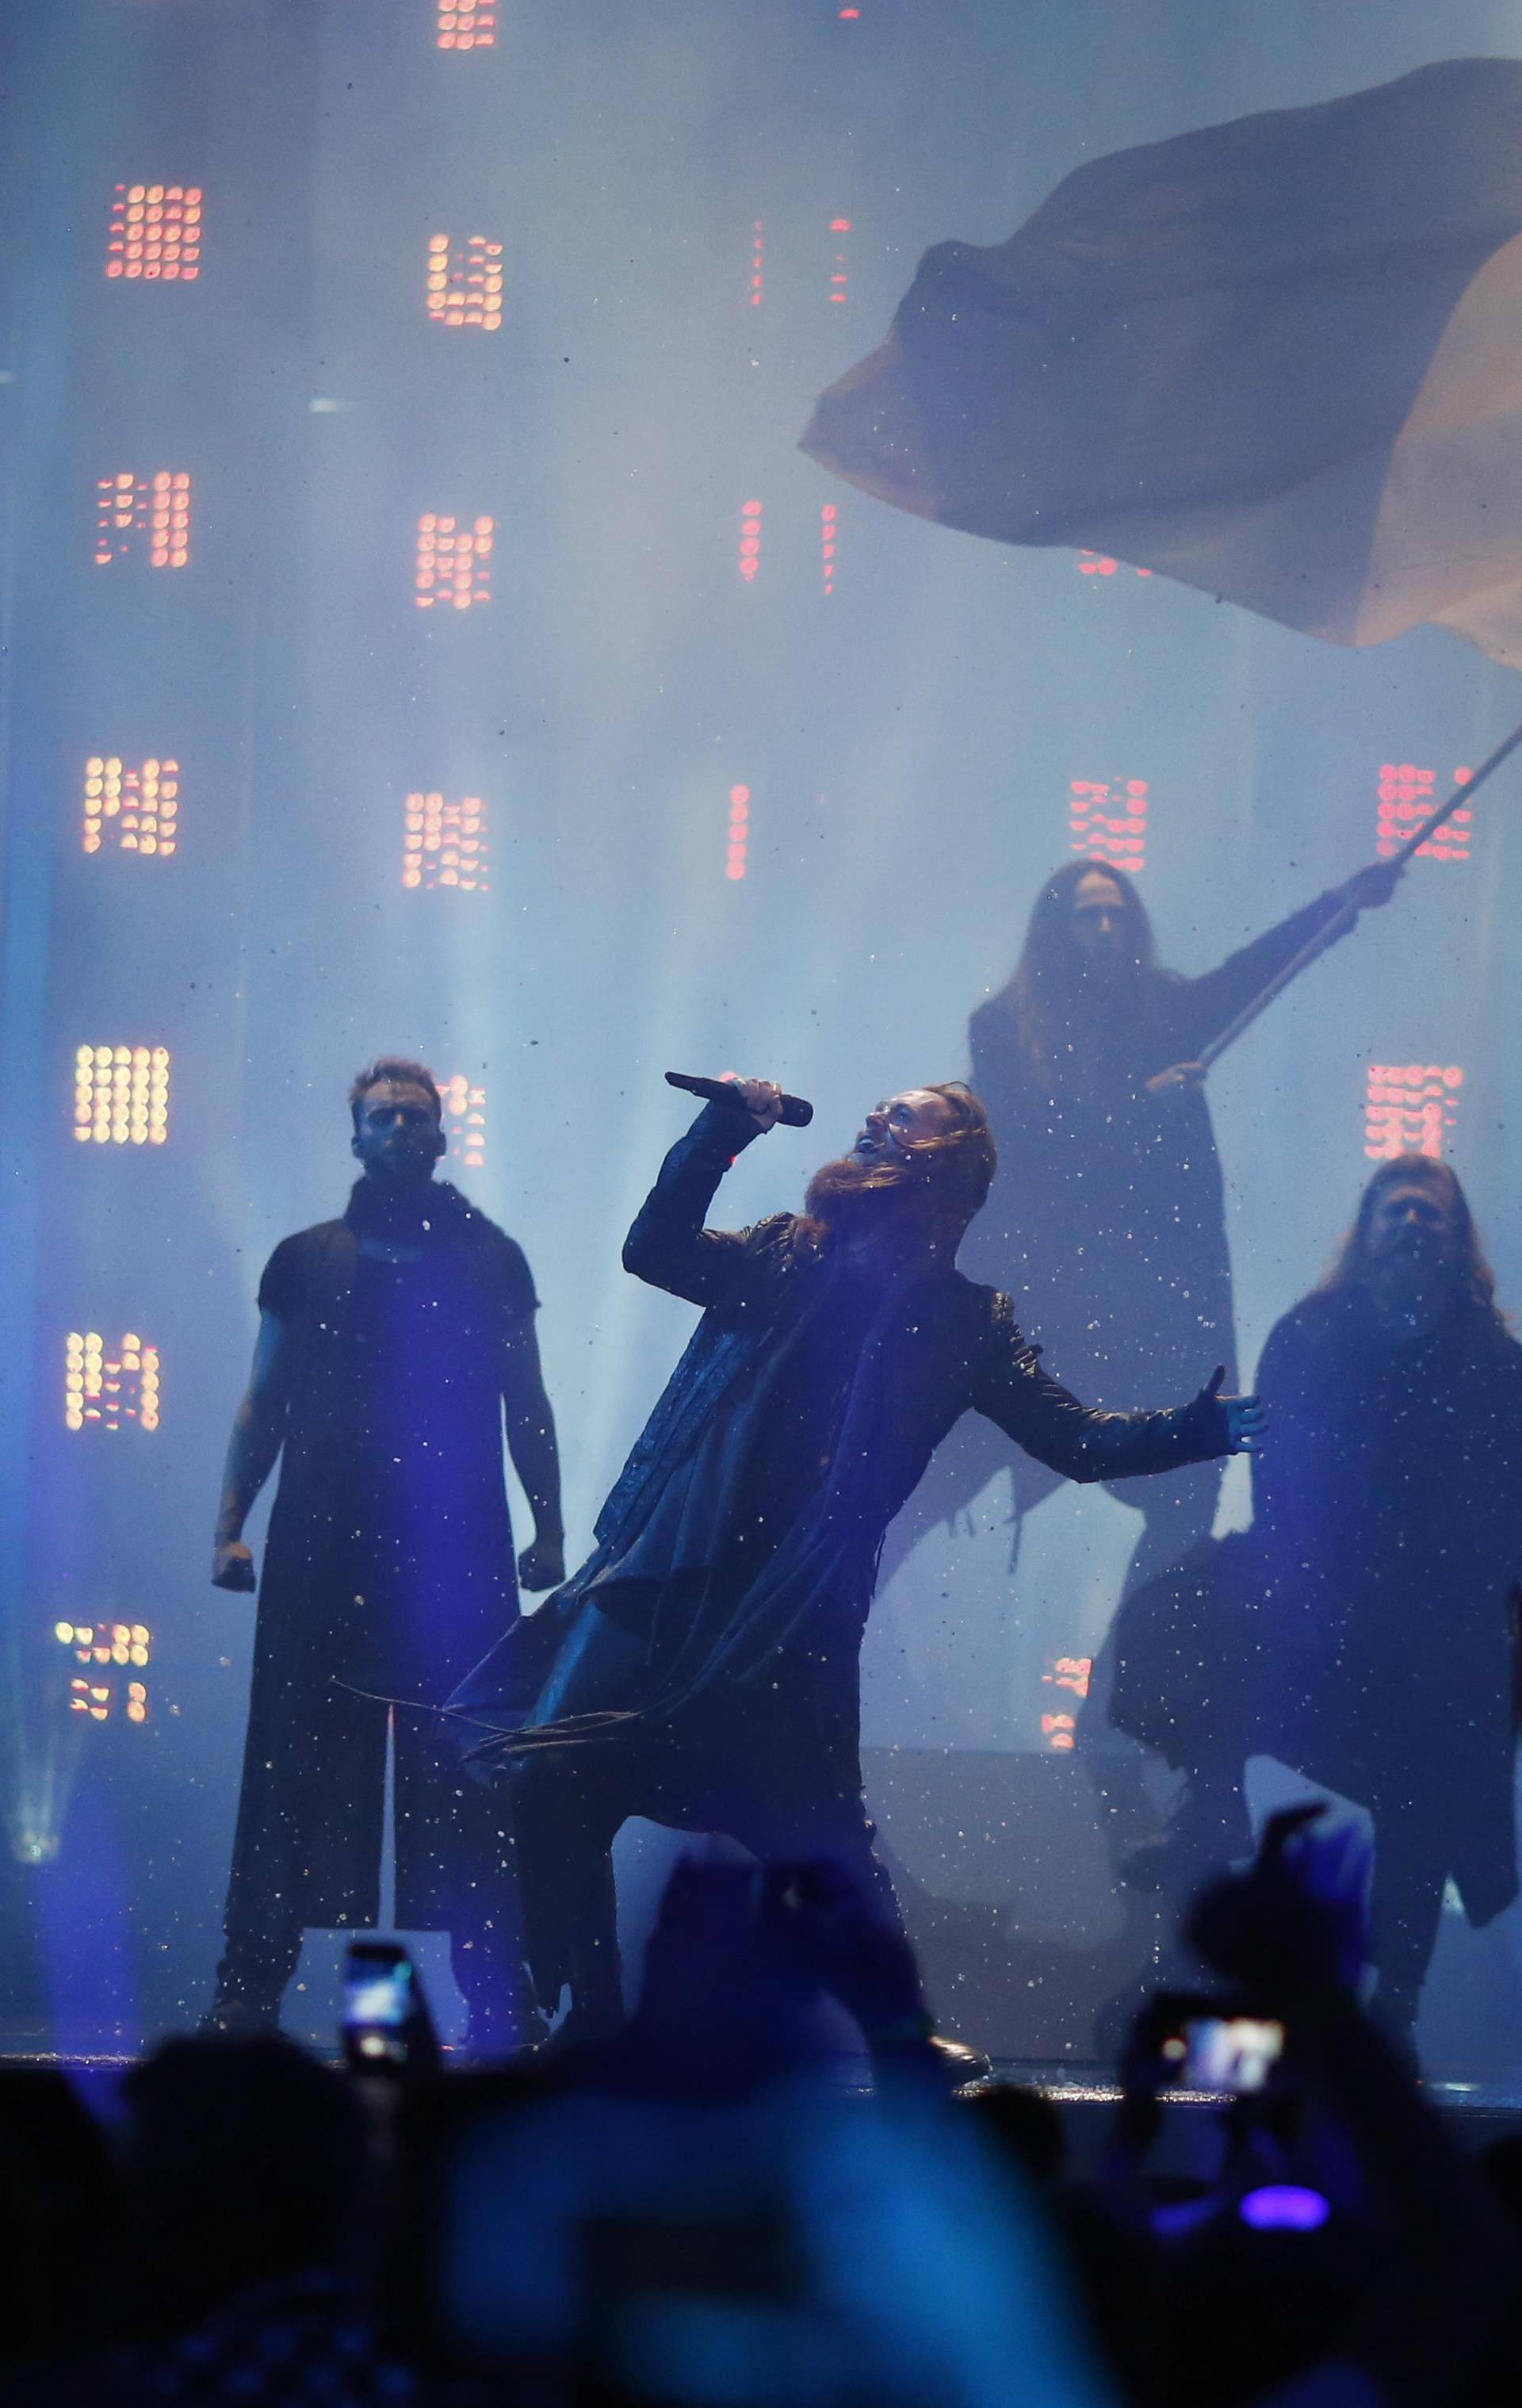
point(1203, 2045)
point(387, 2027)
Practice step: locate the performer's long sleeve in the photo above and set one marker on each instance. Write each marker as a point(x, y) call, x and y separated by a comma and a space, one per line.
point(1206, 1005)
point(668, 1245)
point(1078, 1441)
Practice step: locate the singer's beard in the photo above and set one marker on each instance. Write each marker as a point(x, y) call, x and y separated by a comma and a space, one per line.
point(851, 1198)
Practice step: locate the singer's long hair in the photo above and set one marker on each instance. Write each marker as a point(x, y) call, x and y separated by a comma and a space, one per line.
point(1474, 1282)
point(939, 1191)
point(1045, 994)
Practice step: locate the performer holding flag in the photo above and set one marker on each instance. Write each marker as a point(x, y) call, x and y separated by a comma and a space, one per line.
point(1279, 359)
point(1107, 1221)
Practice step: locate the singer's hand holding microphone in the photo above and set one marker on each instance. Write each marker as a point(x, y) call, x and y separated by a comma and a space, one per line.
point(761, 1099)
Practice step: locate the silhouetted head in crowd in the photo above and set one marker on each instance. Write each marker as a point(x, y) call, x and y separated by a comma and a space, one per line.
point(62, 2243)
point(1502, 2165)
point(723, 1997)
point(398, 1118)
point(245, 2159)
point(1024, 2127)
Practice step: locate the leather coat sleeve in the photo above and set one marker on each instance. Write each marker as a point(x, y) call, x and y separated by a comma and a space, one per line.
point(1205, 1005)
point(1075, 1440)
point(668, 1245)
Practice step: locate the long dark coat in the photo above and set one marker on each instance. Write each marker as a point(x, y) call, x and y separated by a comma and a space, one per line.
point(1363, 1630)
point(1107, 1221)
point(938, 1346)
point(380, 1575)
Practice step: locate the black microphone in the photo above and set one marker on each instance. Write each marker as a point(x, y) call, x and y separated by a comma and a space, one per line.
point(795, 1113)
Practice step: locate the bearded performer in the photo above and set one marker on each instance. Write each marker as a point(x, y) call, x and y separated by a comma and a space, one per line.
point(1362, 1632)
point(701, 1668)
point(1107, 1222)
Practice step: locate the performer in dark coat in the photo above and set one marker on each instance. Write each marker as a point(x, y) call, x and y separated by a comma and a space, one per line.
point(1362, 1632)
point(390, 1344)
point(1107, 1221)
point(701, 1668)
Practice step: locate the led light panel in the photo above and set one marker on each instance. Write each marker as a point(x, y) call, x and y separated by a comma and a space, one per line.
point(130, 810)
point(1107, 820)
point(1410, 1108)
point(122, 1095)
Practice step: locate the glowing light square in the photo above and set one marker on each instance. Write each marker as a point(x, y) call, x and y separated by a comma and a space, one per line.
point(839, 274)
point(1410, 1108)
point(829, 538)
point(1107, 820)
point(454, 561)
point(122, 1095)
point(446, 843)
point(155, 234)
point(106, 1642)
point(464, 1120)
point(129, 810)
point(143, 518)
point(748, 557)
point(464, 288)
point(756, 290)
point(737, 847)
point(98, 1694)
point(1406, 797)
point(111, 1387)
point(1058, 1728)
point(466, 24)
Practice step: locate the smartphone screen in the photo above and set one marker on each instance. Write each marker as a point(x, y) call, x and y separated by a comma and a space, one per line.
point(380, 2004)
point(1232, 2053)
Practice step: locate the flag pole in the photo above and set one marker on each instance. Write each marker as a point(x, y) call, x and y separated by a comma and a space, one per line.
point(1344, 919)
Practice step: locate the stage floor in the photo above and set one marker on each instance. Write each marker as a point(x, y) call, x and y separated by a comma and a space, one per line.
point(1084, 2094)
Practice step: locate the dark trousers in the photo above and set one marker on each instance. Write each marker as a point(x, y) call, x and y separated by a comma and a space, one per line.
point(308, 1846)
point(742, 1772)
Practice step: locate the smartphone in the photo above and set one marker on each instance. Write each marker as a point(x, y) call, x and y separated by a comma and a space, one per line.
point(1233, 2054)
point(386, 2024)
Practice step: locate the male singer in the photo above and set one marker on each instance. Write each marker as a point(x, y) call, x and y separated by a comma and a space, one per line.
point(701, 1668)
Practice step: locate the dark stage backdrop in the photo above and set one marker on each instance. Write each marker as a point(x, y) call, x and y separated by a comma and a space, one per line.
point(421, 634)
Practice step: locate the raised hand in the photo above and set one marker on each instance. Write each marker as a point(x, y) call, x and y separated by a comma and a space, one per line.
point(1181, 1079)
point(1245, 1420)
point(1295, 1921)
point(1368, 889)
point(762, 1098)
point(840, 1940)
